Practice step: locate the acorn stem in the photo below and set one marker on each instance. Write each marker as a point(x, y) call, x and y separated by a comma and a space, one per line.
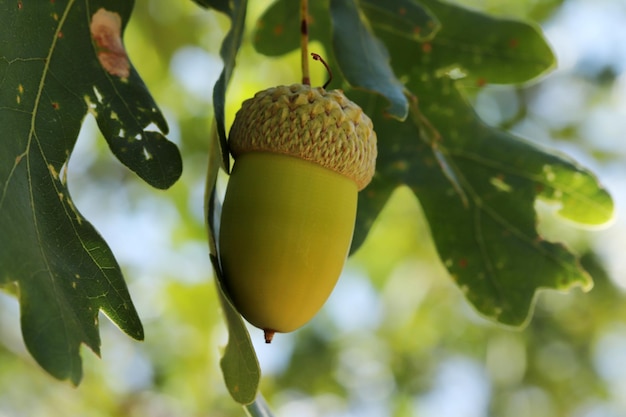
point(304, 41)
point(317, 57)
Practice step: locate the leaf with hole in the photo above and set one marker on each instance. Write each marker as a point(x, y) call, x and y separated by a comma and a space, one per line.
point(50, 78)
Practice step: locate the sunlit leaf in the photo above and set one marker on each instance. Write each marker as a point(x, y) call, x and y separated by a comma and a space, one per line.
point(483, 221)
point(50, 78)
point(478, 185)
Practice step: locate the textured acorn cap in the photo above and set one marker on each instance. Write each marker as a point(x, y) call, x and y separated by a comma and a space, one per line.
point(313, 124)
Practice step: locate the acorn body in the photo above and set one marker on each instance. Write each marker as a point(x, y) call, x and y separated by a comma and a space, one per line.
point(284, 250)
point(301, 156)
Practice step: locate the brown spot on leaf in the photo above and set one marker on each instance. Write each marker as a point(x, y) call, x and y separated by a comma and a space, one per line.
point(55, 105)
point(19, 5)
point(402, 11)
point(60, 35)
point(106, 31)
point(481, 82)
point(427, 47)
point(513, 43)
point(401, 166)
point(463, 263)
point(278, 30)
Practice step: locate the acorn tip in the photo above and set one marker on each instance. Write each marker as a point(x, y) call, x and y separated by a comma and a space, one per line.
point(269, 335)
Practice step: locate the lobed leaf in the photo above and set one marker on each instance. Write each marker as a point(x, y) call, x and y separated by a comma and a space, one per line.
point(73, 63)
point(478, 186)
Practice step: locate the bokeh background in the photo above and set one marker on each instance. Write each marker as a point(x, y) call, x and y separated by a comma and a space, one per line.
point(396, 337)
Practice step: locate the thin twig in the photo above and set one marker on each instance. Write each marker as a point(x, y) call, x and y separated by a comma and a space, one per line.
point(304, 41)
point(317, 57)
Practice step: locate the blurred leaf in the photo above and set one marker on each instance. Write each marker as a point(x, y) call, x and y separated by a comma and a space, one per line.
point(275, 30)
point(363, 59)
point(228, 52)
point(486, 49)
point(402, 17)
point(219, 5)
point(73, 63)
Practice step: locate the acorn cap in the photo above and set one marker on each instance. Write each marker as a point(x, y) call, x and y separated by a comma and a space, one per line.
point(313, 124)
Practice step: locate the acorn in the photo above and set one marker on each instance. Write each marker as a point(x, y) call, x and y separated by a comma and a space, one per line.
point(301, 155)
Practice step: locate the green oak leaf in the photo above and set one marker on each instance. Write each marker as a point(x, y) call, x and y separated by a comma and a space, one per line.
point(363, 59)
point(485, 49)
point(277, 30)
point(59, 61)
point(404, 18)
point(435, 61)
point(477, 186)
point(239, 363)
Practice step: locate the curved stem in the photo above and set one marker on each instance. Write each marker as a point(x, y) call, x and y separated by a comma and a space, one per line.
point(258, 408)
point(304, 41)
point(317, 57)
